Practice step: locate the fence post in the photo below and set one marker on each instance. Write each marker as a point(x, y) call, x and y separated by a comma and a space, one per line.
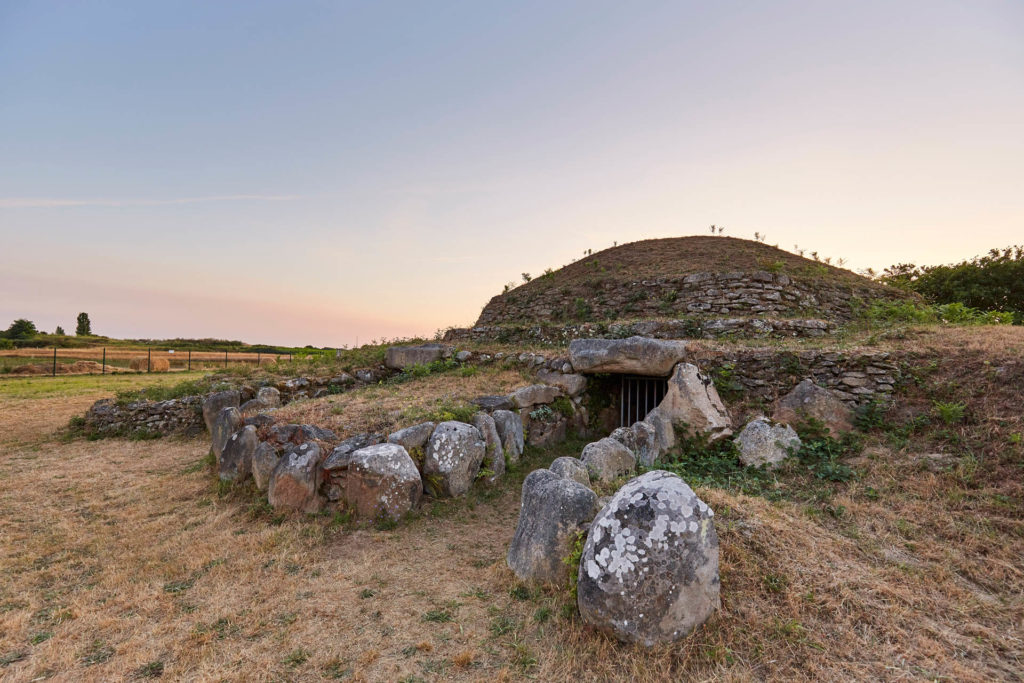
point(225, 359)
point(149, 360)
point(103, 365)
point(190, 360)
point(54, 361)
point(257, 359)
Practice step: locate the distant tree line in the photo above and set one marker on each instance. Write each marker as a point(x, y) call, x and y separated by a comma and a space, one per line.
point(24, 330)
point(993, 282)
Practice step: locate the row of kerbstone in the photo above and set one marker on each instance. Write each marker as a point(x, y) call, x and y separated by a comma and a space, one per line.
point(303, 467)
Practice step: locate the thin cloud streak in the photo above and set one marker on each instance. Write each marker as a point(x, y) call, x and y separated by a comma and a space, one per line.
point(47, 202)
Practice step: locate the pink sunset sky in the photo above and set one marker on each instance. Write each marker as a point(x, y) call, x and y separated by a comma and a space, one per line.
point(331, 173)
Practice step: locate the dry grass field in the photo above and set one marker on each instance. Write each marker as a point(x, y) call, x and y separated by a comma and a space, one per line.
point(122, 560)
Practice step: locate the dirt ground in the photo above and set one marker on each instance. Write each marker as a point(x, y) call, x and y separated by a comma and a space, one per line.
point(122, 560)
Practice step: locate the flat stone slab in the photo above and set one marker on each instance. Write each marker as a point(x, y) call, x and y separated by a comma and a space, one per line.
point(402, 357)
point(631, 356)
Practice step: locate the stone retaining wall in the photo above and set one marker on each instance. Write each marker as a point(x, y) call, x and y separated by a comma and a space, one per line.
point(184, 415)
point(756, 293)
point(856, 376)
point(686, 328)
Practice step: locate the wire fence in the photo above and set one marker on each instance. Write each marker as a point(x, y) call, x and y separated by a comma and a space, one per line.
point(53, 362)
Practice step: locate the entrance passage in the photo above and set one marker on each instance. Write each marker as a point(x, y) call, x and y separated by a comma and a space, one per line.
point(638, 397)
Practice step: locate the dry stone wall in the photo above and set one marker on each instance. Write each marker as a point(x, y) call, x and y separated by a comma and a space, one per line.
point(685, 328)
point(758, 293)
point(855, 376)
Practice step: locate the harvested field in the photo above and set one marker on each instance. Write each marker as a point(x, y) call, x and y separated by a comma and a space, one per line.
point(121, 559)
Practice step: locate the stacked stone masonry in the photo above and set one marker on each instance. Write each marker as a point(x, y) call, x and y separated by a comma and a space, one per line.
point(758, 293)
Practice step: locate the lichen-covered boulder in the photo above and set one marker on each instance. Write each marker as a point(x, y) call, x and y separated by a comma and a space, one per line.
point(494, 457)
point(510, 430)
point(296, 479)
point(228, 421)
point(217, 401)
point(382, 480)
point(553, 511)
point(570, 468)
point(264, 460)
point(649, 569)
point(763, 443)
point(631, 356)
point(808, 400)
point(454, 453)
point(236, 459)
point(607, 460)
point(692, 401)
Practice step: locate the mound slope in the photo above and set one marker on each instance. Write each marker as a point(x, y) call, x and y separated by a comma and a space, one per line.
point(686, 276)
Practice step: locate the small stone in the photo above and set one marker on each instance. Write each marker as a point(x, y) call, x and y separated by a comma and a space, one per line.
point(607, 460)
point(571, 468)
point(763, 443)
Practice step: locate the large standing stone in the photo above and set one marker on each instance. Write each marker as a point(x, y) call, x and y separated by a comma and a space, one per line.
point(553, 511)
point(228, 421)
point(296, 478)
point(763, 443)
point(382, 480)
point(535, 394)
point(571, 468)
point(510, 429)
point(454, 454)
point(236, 460)
point(808, 400)
point(215, 402)
point(402, 357)
point(607, 460)
point(632, 356)
point(494, 457)
point(649, 570)
point(264, 460)
point(692, 400)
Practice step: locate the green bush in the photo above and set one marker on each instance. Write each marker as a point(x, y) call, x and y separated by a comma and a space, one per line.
point(994, 282)
point(924, 314)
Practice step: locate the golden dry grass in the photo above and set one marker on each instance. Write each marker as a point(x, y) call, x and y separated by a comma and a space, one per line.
point(118, 554)
point(389, 406)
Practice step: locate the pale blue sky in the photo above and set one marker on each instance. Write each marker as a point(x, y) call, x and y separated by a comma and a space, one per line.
point(313, 172)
